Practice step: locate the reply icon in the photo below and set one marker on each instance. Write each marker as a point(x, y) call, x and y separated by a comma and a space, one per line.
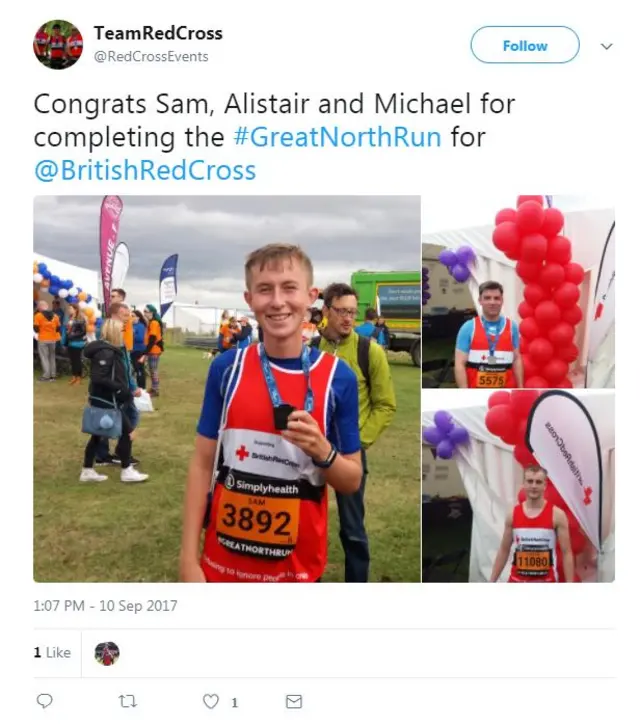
point(44, 700)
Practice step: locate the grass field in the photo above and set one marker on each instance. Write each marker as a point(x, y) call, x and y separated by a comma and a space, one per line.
point(110, 532)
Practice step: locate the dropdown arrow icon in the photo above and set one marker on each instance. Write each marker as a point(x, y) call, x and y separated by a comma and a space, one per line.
point(606, 47)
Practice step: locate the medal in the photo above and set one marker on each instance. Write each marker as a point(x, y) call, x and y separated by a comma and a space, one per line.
point(492, 360)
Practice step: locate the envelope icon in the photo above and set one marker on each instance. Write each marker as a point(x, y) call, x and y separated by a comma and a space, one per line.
point(294, 702)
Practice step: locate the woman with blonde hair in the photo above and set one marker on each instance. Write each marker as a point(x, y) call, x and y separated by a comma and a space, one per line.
point(75, 338)
point(109, 388)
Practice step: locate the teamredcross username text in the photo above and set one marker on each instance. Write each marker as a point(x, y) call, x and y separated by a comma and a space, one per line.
point(148, 32)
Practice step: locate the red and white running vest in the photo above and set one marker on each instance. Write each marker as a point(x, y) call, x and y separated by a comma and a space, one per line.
point(534, 556)
point(269, 512)
point(75, 45)
point(483, 373)
point(57, 44)
point(40, 43)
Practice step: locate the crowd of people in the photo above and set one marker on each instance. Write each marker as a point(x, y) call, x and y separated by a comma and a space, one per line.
point(118, 349)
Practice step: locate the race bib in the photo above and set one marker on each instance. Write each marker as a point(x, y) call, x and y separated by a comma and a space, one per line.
point(256, 524)
point(492, 380)
point(533, 563)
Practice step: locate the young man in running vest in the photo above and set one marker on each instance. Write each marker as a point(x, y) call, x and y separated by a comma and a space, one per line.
point(377, 407)
point(535, 529)
point(487, 348)
point(57, 49)
point(285, 419)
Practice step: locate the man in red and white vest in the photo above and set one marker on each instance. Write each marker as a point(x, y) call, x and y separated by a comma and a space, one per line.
point(487, 347)
point(535, 529)
point(278, 427)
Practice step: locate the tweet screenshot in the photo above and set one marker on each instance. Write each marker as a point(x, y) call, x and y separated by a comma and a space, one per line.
point(322, 294)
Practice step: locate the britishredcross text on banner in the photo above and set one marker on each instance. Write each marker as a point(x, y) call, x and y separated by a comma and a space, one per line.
point(109, 227)
point(605, 298)
point(120, 266)
point(168, 283)
point(562, 436)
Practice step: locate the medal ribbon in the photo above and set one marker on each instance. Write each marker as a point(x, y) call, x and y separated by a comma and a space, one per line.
point(276, 400)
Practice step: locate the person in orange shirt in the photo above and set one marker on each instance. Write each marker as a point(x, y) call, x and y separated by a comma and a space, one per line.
point(155, 346)
point(47, 326)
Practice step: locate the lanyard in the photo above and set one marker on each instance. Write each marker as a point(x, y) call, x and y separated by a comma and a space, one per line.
point(492, 339)
point(276, 400)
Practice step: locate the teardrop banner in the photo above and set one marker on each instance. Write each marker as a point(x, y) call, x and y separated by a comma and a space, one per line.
point(110, 212)
point(605, 295)
point(562, 436)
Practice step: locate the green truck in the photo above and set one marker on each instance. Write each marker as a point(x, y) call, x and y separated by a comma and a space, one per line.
point(397, 296)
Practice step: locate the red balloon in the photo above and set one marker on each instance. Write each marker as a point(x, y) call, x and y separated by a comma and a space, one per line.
point(529, 328)
point(567, 295)
point(533, 248)
point(528, 271)
point(559, 250)
point(536, 382)
point(522, 401)
point(529, 217)
point(530, 368)
point(573, 315)
point(522, 496)
point(510, 438)
point(524, 345)
point(524, 308)
point(540, 351)
point(534, 294)
point(574, 272)
point(578, 540)
point(525, 458)
point(569, 353)
point(499, 420)
point(500, 397)
point(505, 215)
point(561, 335)
point(506, 236)
point(551, 276)
point(552, 223)
point(547, 314)
point(525, 199)
point(555, 371)
point(566, 383)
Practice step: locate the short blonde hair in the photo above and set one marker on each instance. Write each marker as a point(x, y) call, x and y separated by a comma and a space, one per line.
point(273, 255)
point(112, 332)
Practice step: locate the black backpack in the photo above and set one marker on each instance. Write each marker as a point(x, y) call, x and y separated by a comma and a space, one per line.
point(364, 344)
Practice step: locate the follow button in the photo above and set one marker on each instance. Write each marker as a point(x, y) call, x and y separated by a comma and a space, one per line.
point(525, 44)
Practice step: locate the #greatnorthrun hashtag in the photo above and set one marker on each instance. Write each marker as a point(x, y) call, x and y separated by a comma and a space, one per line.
point(337, 137)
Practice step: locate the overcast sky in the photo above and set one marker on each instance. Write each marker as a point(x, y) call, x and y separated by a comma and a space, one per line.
point(213, 235)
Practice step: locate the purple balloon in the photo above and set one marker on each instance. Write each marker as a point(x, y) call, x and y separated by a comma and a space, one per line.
point(445, 449)
point(428, 295)
point(466, 256)
point(460, 273)
point(448, 258)
point(459, 435)
point(432, 435)
point(443, 421)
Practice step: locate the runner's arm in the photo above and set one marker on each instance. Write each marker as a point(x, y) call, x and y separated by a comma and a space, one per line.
point(503, 552)
point(460, 368)
point(561, 523)
point(518, 368)
point(195, 504)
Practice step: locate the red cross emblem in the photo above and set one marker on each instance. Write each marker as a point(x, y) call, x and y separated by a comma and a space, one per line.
point(242, 453)
point(484, 357)
point(587, 496)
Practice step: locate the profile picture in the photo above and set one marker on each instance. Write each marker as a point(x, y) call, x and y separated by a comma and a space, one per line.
point(107, 653)
point(58, 44)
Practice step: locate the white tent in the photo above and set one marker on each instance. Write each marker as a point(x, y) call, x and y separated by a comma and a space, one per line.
point(199, 319)
point(87, 279)
point(492, 478)
point(587, 225)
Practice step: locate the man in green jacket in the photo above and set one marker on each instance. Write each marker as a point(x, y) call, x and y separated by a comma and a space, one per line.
point(377, 406)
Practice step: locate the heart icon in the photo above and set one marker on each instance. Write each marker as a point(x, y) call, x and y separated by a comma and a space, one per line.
point(210, 701)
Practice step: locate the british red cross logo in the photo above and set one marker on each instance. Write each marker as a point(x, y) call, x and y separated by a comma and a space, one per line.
point(517, 541)
point(587, 496)
point(242, 453)
point(484, 357)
